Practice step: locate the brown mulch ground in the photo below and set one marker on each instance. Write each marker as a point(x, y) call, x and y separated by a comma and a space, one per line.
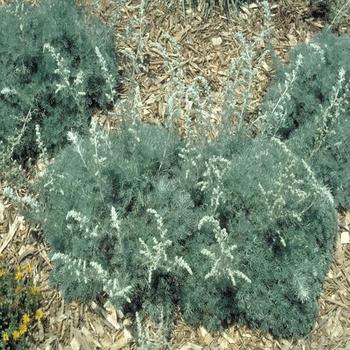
point(207, 46)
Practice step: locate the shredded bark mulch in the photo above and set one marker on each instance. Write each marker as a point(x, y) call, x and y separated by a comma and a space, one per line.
point(207, 46)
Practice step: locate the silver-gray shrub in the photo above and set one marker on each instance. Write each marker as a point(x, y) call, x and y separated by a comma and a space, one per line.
point(174, 224)
point(267, 240)
point(96, 212)
point(144, 210)
point(54, 62)
point(307, 106)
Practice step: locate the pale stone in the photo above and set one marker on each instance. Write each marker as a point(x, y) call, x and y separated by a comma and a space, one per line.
point(217, 41)
point(344, 237)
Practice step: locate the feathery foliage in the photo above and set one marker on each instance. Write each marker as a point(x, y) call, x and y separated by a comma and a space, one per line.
point(308, 107)
point(232, 229)
point(96, 195)
point(269, 233)
point(54, 64)
point(152, 221)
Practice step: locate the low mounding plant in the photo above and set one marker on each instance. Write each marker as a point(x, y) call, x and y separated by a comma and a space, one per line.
point(103, 202)
point(262, 250)
point(307, 106)
point(214, 228)
point(54, 64)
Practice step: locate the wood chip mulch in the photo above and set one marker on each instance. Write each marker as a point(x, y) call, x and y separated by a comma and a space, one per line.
point(207, 46)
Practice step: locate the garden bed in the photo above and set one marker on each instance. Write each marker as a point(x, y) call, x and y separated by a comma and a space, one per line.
point(207, 46)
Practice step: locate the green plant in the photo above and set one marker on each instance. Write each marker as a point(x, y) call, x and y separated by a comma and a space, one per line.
point(335, 11)
point(307, 106)
point(153, 221)
point(54, 70)
point(19, 306)
point(267, 239)
point(116, 178)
